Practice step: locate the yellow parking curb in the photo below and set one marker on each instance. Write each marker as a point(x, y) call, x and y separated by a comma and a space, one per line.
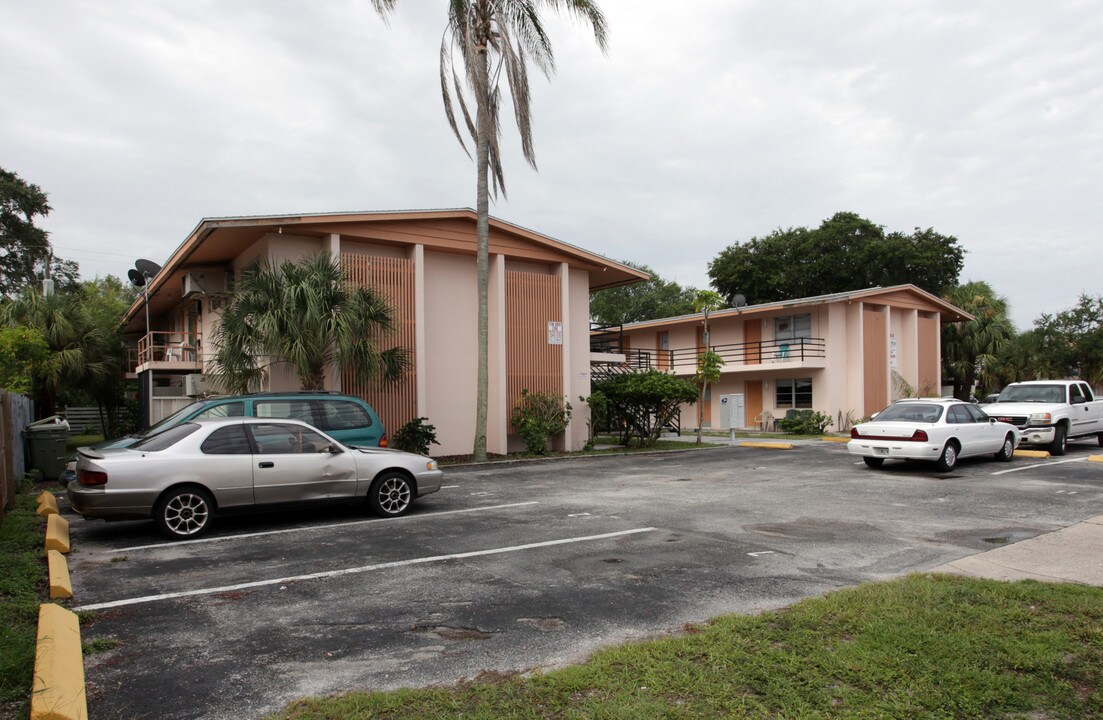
point(47, 504)
point(57, 533)
point(1095, 458)
point(58, 692)
point(1032, 453)
point(830, 438)
point(60, 584)
point(768, 445)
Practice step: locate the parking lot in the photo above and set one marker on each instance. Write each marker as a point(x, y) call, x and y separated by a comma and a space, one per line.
point(525, 565)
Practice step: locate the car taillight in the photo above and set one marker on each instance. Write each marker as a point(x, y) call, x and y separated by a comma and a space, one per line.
point(919, 436)
point(854, 433)
point(91, 478)
point(383, 441)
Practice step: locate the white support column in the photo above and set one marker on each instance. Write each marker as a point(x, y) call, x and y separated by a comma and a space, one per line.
point(888, 352)
point(421, 371)
point(332, 244)
point(497, 431)
point(563, 271)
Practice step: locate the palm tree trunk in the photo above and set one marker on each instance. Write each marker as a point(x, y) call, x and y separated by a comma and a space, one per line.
point(482, 230)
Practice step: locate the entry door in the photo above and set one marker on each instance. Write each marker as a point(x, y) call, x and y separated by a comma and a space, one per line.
point(752, 389)
point(662, 345)
point(752, 336)
point(292, 465)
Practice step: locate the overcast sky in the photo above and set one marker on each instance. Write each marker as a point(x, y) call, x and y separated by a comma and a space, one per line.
point(707, 123)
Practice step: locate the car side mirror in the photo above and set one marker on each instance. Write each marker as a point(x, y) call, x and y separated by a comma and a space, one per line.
point(1079, 400)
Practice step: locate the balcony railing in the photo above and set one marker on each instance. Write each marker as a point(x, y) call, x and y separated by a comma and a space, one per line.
point(170, 347)
point(750, 353)
point(684, 360)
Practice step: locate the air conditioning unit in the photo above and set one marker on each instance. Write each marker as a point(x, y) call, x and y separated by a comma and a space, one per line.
point(195, 385)
point(207, 282)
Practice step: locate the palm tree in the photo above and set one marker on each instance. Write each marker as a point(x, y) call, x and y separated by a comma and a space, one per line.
point(970, 350)
point(303, 315)
point(487, 37)
point(709, 363)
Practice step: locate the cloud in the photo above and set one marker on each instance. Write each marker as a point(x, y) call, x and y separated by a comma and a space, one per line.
point(701, 127)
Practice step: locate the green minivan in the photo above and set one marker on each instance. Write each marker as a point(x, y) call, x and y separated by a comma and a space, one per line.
point(343, 417)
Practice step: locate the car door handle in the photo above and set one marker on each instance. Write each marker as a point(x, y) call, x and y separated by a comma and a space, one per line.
point(266, 464)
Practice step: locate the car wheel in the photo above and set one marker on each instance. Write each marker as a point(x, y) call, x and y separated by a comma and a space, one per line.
point(1099, 437)
point(1008, 450)
point(874, 462)
point(390, 495)
point(1060, 441)
point(948, 460)
point(184, 513)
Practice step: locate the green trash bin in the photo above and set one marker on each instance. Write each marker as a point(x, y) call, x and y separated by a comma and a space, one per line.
point(45, 441)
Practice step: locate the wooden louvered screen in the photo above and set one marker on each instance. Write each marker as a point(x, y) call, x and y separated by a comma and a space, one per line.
point(392, 279)
point(532, 301)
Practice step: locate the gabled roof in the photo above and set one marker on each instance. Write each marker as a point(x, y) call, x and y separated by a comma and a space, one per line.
point(217, 241)
point(897, 295)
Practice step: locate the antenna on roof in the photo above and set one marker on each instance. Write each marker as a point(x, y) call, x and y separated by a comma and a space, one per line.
point(739, 302)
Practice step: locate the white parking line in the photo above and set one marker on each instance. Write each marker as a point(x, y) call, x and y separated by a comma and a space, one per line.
point(313, 527)
point(357, 570)
point(1033, 467)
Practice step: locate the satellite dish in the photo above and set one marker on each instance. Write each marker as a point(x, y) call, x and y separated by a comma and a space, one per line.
point(739, 301)
point(136, 278)
point(147, 267)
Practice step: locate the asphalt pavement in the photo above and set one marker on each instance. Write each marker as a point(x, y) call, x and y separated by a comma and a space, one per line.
point(524, 566)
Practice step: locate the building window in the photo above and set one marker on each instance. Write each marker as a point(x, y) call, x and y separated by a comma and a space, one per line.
point(789, 327)
point(794, 393)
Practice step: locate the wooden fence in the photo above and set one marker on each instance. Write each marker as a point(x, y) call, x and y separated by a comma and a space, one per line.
point(16, 412)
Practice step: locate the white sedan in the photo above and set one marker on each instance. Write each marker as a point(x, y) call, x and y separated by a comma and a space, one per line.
point(936, 430)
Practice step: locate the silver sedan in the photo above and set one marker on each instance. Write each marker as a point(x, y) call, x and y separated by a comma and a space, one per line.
point(184, 476)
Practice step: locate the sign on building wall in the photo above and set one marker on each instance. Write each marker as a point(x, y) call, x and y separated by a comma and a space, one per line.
point(555, 333)
point(892, 350)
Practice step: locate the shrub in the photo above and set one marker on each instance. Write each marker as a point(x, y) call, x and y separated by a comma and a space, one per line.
point(416, 436)
point(538, 417)
point(807, 422)
point(642, 403)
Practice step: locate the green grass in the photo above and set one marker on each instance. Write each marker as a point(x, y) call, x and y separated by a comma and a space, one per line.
point(918, 647)
point(22, 588)
point(76, 441)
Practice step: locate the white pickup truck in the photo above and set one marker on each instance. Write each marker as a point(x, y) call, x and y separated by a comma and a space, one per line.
point(1050, 412)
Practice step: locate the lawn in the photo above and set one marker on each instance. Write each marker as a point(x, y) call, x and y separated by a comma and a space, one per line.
point(22, 588)
point(922, 646)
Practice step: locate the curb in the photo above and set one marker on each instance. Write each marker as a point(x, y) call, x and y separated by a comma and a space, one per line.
point(1095, 458)
point(1031, 453)
point(767, 445)
point(60, 584)
point(835, 439)
point(47, 504)
point(58, 691)
point(57, 533)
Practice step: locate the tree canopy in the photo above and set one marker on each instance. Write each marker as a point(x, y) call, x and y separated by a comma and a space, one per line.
point(655, 298)
point(970, 350)
point(846, 252)
point(24, 247)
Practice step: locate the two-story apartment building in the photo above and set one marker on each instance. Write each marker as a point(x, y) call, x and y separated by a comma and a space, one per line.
point(847, 355)
point(423, 263)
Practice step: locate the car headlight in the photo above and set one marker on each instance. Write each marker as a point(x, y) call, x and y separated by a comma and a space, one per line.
point(1040, 419)
point(431, 465)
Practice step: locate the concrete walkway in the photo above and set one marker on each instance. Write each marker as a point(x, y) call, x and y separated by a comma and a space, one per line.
point(1072, 554)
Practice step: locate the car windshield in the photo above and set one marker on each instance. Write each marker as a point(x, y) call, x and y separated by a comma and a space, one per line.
point(910, 412)
point(167, 438)
point(172, 420)
point(1033, 393)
